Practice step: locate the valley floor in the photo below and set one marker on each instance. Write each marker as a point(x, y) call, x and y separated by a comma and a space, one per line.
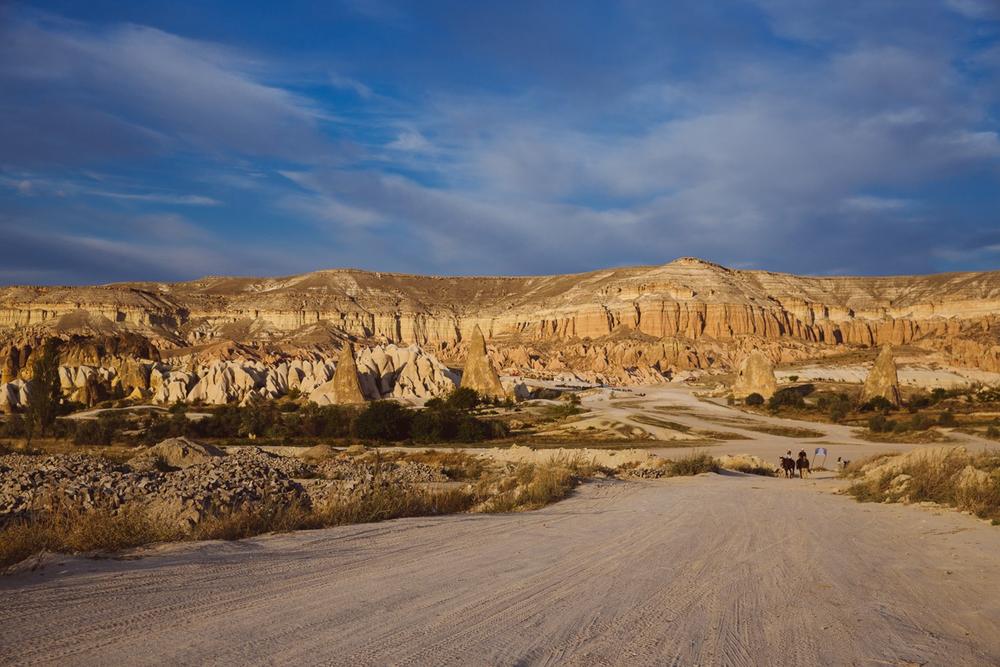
point(716, 569)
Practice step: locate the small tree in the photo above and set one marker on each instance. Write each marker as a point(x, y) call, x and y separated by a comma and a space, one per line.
point(463, 399)
point(383, 421)
point(45, 396)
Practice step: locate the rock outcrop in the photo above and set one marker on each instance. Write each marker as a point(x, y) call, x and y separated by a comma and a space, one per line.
point(175, 453)
point(404, 373)
point(479, 373)
point(344, 388)
point(882, 380)
point(619, 326)
point(755, 376)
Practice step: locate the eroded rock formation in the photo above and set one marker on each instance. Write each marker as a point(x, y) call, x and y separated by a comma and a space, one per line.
point(755, 376)
point(344, 388)
point(628, 325)
point(882, 380)
point(479, 373)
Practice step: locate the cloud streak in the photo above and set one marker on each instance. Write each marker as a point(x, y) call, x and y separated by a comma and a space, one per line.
point(807, 135)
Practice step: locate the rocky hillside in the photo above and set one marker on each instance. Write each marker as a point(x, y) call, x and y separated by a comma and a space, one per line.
point(629, 324)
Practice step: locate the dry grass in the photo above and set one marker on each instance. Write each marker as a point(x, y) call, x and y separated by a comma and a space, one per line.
point(945, 481)
point(693, 464)
point(456, 464)
point(72, 529)
point(751, 469)
point(531, 487)
point(919, 437)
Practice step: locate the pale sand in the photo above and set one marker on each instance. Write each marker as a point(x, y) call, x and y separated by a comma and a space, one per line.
point(717, 569)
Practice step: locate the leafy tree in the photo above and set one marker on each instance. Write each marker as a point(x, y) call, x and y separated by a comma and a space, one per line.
point(383, 420)
point(45, 396)
point(878, 404)
point(463, 399)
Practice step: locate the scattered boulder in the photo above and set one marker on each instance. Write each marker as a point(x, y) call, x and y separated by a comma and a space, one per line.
point(755, 376)
point(318, 453)
point(176, 453)
point(479, 373)
point(882, 380)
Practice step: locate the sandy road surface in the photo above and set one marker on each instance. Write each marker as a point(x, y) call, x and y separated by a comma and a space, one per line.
point(713, 570)
point(680, 405)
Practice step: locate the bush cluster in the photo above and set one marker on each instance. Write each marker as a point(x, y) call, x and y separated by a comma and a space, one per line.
point(449, 419)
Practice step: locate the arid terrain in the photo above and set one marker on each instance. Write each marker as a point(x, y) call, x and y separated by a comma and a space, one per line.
point(622, 326)
point(356, 468)
point(714, 569)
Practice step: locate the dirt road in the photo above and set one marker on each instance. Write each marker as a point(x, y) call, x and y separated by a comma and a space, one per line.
point(713, 570)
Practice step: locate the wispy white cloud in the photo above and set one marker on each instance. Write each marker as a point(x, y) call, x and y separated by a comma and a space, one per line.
point(131, 88)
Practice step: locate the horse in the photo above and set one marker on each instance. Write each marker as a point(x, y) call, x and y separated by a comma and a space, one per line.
point(788, 466)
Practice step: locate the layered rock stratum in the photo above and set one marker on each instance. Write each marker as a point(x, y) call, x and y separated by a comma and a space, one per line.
point(633, 325)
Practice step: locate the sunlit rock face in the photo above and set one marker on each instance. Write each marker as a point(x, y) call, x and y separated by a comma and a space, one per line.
point(882, 380)
point(636, 325)
point(755, 376)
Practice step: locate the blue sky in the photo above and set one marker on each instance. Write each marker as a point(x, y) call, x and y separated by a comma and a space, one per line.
point(162, 141)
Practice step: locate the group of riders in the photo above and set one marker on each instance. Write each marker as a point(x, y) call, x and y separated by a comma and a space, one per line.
point(789, 465)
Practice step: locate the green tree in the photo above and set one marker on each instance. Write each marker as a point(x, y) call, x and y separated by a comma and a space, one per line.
point(463, 399)
point(45, 396)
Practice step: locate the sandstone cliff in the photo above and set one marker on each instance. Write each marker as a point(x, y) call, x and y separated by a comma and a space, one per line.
point(638, 324)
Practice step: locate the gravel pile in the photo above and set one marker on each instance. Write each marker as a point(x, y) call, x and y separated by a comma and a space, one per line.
point(396, 472)
point(291, 467)
point(235, 482)
point(32, 483)
point(244, 479)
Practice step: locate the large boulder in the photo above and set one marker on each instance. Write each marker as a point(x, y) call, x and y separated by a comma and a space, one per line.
point(882, 379)
point(755, 376)
point(479, 373)
point(176, 453)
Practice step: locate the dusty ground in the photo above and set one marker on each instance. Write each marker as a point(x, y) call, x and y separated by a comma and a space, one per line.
point(717, 569)
point(710, 570)
point(679, 405)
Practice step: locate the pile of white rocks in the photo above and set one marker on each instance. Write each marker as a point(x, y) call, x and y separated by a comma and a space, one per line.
point(182, 481)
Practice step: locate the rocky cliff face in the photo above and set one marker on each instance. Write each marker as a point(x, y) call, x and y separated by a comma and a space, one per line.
point(619, 325)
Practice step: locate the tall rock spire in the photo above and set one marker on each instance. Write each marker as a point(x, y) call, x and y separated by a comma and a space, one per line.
point(346, 387)
point(479, 373)
point(882, 379)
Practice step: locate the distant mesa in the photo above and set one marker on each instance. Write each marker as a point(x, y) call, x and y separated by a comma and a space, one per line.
point(243, 338)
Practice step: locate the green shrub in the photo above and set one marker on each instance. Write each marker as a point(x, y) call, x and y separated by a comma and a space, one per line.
point(946, 418)
point(786, 398)
point(463, 399)
point(94, 432)
point(877, 404)
point(754, 399)
point(879, 424)
point(384, 421)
